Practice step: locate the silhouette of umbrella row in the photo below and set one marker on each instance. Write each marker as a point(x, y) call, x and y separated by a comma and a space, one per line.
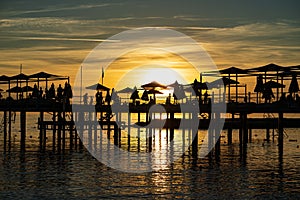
point(18, 89)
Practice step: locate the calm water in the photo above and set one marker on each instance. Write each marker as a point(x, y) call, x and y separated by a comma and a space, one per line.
point(77, 175)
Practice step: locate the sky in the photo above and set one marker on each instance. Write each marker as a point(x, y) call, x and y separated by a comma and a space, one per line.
point(56, 36)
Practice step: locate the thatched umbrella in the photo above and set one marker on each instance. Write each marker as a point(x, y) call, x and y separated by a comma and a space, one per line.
point(153, 85)
point(236, 71)
point(273, 84)
point(270, 68)
point(126, 90)
point(222, 82)
point(98, 86)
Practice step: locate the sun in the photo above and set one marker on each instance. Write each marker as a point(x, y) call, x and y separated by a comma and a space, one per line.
point(143, 66)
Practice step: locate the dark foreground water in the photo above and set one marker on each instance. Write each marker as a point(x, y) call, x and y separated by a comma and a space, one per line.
point(77, 175)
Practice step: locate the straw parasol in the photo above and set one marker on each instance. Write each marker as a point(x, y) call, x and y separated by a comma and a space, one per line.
point(236, 71)
point(98, 86)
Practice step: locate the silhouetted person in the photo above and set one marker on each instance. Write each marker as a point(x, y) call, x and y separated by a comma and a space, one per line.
point(114, 97)
point(51, 91)
point(85, 98)
point(289, 99)
point(60, 93)
point(47, 94)
point(35, 91)
point(67, 92)
point(151, 100)
point(41, 93)
point(205, 97)
point(268, 94)
point(168, 99)
point(175, 98)
point(107, 98)
point(91, 100)
point(99, 98)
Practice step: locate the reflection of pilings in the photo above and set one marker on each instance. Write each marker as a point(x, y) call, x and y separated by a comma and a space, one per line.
point(71, 133)
point(172, 129)
point(195, 137)
point(80, 118)
point(54, 132)
point(63, 129)
point(75, 118)
point(280, 135)
point(95, 130)
point(90, 130)
point(250, 135)
point(59, 118)
point(230, 132)
point(210, 133)
point(41, 122)
point(217, 133)
point(23, 130)
point(243, 136)
point(268, 133)
point(9, 130)
point(128, 130)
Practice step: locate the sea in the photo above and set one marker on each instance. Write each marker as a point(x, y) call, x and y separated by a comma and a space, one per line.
point(77, 174)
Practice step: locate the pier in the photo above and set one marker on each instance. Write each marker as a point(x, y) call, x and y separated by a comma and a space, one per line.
point(105, 120)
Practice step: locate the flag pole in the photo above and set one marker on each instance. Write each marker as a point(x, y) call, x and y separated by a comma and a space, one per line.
point(102, 75)
point(80, 84)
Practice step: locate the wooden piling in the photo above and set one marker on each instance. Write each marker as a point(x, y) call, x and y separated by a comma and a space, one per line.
point(23, 129)
point(4, 130)
point(280, 134)
point(41, 123)
point(54, 132)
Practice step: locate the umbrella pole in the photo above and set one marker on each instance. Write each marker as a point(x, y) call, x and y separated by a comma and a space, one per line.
point(236, 88)
point(282, 87)
point(228, 90)
point(277, 89)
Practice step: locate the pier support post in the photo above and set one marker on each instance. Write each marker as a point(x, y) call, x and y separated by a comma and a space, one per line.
point(59, 132)
point(195, 137)
point(229, 139)
point(54, 132)
point(23, 130)
point(9, 130)
point(71, 126)
point(245, 128)
point(41, 135)
point(280, 135)
point(230, 131)
point(217, 133)
point(172, 129)
point(243, 137)
point(128, 133)
point(5, 129)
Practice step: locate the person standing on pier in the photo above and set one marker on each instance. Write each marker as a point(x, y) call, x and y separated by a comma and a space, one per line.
point(99, 98)
point(107, 98)
point(41, 93)
point(85, 98)
point(59, 93)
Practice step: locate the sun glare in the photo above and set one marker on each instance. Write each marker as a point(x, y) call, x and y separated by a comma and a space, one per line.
point(143, 66)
